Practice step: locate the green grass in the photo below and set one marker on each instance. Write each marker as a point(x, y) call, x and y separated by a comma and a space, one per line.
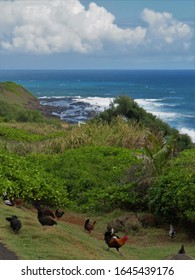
point(13, 93)
point(69, 241)
point(25, 132)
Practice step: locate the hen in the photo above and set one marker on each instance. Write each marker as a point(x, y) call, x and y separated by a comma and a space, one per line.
point(114, 241)
point(45, 220)
point(15, 223)
point(59, 213)
point(182, 250)
point(89, 226)
point(44, 210)
point(172, 232)
point(7, 201)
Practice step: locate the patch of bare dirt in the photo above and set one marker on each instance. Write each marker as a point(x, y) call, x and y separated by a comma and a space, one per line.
point(73, 219)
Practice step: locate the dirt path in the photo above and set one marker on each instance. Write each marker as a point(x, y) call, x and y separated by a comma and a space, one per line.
point(6, 254)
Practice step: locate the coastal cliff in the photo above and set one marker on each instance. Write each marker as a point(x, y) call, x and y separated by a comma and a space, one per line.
point(16, 95)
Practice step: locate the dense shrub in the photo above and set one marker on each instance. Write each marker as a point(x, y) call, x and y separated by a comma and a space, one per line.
point(25, 179)
point(94, 176)
point(173, 194)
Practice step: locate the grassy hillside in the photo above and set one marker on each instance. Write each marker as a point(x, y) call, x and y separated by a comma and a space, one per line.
point(13, 93)
point(69, 240)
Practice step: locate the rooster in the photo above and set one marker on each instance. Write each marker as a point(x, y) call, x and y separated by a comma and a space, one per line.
point(114, 241)
point(89, 226)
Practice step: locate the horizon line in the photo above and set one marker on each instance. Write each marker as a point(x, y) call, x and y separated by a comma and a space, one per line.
point(93, 69)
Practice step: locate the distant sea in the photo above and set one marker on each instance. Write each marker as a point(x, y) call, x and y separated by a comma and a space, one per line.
point(170, 95)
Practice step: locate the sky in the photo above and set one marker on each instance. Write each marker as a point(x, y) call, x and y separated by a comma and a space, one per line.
point(98, 34)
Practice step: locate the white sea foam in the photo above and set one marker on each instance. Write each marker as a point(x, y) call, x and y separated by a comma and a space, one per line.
point(51, 97)
point(99, 102)
point(189, 132)
point(166, 116)
point(155, 106)
point(149, 104)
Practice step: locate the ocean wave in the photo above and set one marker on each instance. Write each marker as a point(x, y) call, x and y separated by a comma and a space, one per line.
point(55, 97)
point(150, 104)
point(98, 102)
point(166, 116)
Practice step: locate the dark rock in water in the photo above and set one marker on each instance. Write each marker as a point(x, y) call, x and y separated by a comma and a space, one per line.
point(68, 109)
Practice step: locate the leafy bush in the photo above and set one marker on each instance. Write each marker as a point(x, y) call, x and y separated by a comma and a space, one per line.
point(173, 194)
point(25, 179)
point(94, 176)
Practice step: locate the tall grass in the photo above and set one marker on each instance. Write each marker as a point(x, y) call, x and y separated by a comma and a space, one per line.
point(56, 139)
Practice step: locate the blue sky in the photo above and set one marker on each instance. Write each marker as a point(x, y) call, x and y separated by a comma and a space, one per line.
point(99, 34)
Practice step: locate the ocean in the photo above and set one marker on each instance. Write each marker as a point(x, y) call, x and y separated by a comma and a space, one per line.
point(77, 94)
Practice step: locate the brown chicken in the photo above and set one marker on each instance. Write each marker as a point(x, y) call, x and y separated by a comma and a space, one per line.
point(89, 226)
point(114, 241)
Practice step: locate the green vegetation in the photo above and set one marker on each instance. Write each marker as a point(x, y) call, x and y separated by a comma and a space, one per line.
point(25, 179)
point(10, 112)
point(173, 193)
point(123, 159)
point(94, 174)
point(15, 94)
point(129, 109)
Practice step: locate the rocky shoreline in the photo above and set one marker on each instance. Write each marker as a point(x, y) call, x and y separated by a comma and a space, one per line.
point(66, 109)
point(47, 110)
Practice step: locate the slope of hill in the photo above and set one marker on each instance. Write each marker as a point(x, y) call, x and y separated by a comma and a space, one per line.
point(17, 96)
point(69, 241)
point(13, 93)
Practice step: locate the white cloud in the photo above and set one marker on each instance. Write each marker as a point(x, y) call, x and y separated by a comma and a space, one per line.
point(46, 27)
point(165, 32)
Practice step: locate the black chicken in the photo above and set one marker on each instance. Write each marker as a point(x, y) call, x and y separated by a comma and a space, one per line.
point(44, 210)
point(181, 251)
point(45, 220)
point(59, 213)
point(15, 223)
